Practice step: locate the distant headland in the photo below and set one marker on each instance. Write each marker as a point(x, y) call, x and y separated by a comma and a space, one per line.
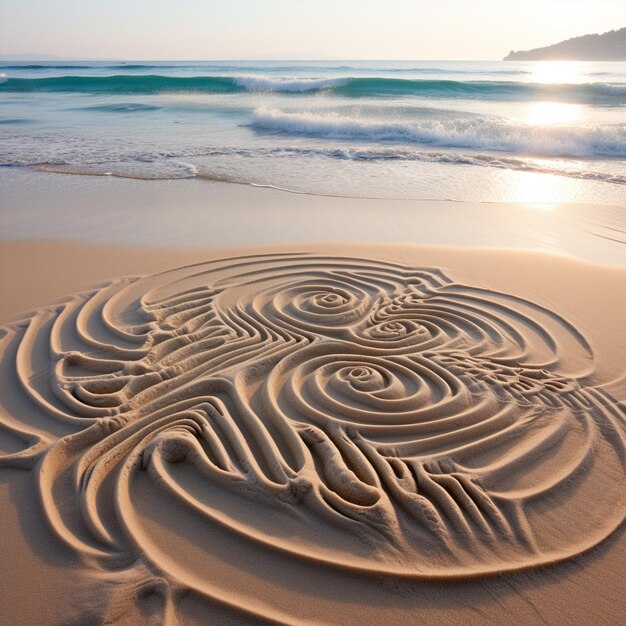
point(610, 46)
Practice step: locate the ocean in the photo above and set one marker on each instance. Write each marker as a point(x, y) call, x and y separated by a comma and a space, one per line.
point(532, 132)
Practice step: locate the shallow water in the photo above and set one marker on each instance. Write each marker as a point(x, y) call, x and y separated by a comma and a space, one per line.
point(479, 131)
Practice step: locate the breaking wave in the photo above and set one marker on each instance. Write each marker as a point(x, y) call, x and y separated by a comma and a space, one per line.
point(350, 87)
point(478, 133)
point(262, 83)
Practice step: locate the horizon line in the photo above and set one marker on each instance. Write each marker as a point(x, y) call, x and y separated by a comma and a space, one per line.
point(51, 58)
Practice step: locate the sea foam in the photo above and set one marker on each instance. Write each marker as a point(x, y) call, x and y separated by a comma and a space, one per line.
point(477, 133)
point(262, 83)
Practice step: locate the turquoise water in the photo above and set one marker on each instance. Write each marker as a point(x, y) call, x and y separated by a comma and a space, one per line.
point(481, 131)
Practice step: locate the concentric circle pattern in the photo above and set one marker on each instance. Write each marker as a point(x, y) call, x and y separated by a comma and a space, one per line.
point(386, 418)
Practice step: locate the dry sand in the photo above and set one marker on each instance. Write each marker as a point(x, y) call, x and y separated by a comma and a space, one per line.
point(314, 434)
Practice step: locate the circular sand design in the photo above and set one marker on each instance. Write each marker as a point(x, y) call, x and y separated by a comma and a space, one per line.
point(330, 411)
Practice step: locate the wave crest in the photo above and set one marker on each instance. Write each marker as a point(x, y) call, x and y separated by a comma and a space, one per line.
point(479, 133)
point(611, 94)
point(262, 83)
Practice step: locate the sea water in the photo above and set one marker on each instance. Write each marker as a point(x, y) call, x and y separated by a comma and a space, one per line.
point(546, 132)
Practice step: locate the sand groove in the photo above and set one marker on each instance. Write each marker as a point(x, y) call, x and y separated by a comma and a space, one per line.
point(405, 423)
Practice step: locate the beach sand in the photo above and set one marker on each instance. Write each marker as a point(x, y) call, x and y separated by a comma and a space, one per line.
point(311, 433)
point(188, 214)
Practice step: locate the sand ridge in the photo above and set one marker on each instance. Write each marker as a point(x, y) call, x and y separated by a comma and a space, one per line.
point(328, 411)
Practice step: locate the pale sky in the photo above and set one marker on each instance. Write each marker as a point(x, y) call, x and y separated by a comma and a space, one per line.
point(297, 29)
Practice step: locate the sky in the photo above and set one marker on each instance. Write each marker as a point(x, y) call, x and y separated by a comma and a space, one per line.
point(297, 29)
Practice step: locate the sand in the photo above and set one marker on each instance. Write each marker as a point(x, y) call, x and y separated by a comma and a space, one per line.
point(202, 214)
point(321, 433)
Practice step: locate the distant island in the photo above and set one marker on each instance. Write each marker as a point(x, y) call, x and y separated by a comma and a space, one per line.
point(609, 46)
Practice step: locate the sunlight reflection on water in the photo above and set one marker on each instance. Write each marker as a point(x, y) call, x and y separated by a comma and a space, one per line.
point(542, 190)
point(547, 113)
point(559, 71)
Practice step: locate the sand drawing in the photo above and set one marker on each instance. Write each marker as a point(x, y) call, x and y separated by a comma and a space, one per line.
point(339, 412)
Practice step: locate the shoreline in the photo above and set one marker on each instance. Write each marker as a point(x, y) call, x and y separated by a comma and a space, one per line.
point(192, 213)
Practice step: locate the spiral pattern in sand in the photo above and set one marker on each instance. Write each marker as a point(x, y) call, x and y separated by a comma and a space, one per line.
point(374, 417)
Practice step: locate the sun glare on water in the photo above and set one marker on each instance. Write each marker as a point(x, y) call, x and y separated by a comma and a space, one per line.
point(544, 192)
point(559, 72)
point(547, 113)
